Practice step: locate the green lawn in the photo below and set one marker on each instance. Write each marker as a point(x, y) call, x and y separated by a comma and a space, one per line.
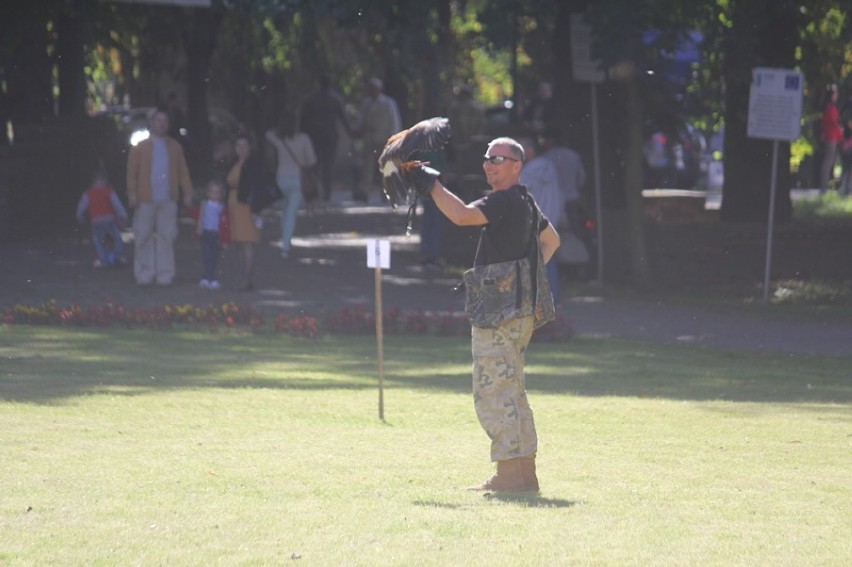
point(171, 448)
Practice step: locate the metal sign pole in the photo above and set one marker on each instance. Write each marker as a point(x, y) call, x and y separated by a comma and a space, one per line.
point(587, 68)
point(771, 222)
point(597, 174)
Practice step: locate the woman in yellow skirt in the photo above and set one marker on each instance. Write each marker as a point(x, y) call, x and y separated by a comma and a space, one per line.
point(243, 177)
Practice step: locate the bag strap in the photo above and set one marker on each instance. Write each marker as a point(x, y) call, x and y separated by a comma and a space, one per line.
point(533, 246)
point(289, 151)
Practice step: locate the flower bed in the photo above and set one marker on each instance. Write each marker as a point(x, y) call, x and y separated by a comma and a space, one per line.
point(227, 316)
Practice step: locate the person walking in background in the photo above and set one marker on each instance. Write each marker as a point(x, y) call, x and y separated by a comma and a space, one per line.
point(570, 174)
point(844, 186)
point(245, 177)
point(321, 115)
point(539, 177)
point(157, 175)
point(378, 119)
point(571, 177)
point(467, 119)
point(295, 151)
point(845, 150)
point(509, 219)
point(541, 111)
point(466, 116)
point(832, 136)
point(433, 222)
point(106, 215)
point(177, 118)
point(211, 228)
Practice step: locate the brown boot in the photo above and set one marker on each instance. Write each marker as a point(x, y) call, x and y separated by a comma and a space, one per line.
point(528, 473)
point(507, 479)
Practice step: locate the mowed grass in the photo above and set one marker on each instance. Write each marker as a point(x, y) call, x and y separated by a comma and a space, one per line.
point(142, 448)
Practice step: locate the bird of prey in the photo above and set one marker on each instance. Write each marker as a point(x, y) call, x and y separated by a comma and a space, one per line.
point(398, 157)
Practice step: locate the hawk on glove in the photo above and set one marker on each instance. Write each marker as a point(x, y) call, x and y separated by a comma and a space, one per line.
point(397, 157)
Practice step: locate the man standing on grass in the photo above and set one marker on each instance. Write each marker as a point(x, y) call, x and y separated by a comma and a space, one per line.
point(156, 175)
point(507, 216)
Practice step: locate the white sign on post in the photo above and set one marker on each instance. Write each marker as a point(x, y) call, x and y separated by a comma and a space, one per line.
point(585, 68)
point(378, 254)
point(774, 113)
point(775, 104)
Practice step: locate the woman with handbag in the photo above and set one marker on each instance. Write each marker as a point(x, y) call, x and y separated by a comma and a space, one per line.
point(296, 157)
point(245, 180)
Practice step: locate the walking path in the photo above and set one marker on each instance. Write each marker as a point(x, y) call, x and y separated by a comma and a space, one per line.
point(328, 270)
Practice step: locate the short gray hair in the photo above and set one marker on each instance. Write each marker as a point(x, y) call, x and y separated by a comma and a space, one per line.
point(514, 146)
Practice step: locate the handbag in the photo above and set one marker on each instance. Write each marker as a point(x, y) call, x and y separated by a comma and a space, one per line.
point(257, 189)
point(502, 291)
point(308, 180)
point(262, 196)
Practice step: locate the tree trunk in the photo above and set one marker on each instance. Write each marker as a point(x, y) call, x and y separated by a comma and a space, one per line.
point(28, 73)
point(70, 60)
point(199, 45)
point(748, 162)
point(640, 265)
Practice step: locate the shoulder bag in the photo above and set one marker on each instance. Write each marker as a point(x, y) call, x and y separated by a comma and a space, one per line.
point(307, 177)
point(499, 292)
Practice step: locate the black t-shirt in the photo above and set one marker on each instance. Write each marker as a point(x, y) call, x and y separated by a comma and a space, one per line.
point(507, 233)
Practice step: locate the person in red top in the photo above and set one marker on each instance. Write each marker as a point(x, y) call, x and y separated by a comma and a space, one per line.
point(106, 213)
point(832, 135)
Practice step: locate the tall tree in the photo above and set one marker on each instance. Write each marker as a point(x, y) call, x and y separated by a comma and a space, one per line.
point(201, 29)
point(70, 33)
point(25, 62)
point(761, 33)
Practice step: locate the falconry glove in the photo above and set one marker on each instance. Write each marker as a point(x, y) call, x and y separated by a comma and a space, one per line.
point(422, 179)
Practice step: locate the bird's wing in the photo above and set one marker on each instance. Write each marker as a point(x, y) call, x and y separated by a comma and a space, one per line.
point(430, 134)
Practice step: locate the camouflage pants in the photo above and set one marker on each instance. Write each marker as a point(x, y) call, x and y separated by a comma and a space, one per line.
point(499, 393)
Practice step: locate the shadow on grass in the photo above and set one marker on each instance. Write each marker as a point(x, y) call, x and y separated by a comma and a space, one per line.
point(49, 366)
point(525, 499)
point(530, 500)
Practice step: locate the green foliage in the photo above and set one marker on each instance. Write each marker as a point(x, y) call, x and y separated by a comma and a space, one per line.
point(813, 291)
point(799, 150)
point(829, 207)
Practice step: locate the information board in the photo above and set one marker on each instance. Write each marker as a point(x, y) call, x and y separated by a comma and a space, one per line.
point(775, 104)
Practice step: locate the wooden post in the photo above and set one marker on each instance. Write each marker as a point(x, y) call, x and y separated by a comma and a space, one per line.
point(379, 342)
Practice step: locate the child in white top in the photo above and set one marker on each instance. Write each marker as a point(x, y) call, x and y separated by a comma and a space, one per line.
point(207, 228)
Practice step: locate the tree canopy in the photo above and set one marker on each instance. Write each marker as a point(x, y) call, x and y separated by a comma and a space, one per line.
point(257, 58)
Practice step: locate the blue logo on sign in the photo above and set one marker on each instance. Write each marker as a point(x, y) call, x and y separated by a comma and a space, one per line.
point(791, 82)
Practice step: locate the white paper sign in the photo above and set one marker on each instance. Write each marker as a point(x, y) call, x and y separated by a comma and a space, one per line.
point(378, 254)
point(775, 104)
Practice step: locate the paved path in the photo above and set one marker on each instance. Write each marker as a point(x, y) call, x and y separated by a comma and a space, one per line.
point(328, 271)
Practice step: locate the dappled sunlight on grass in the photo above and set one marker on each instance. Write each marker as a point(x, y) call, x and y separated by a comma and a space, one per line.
point(255, 447)
point(43, 364)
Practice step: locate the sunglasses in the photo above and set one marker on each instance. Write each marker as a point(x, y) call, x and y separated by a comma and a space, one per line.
point(497, 160)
